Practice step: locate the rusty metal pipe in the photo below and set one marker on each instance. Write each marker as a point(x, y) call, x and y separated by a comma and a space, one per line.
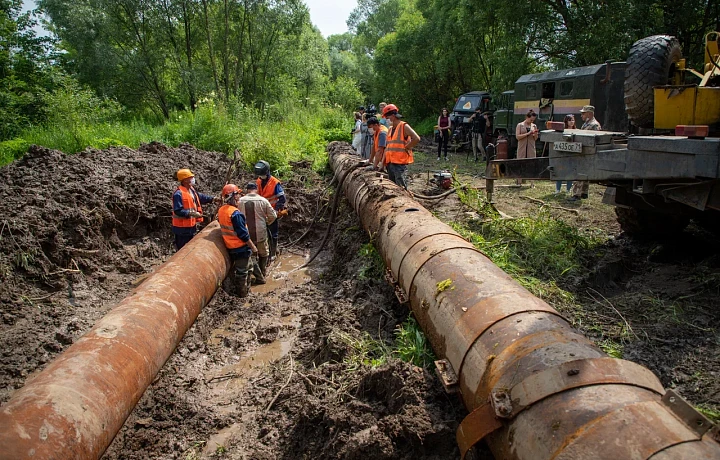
point(74, 408)
point(535, 388)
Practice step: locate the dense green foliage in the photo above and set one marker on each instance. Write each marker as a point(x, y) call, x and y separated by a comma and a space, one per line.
point(228, 74)
point(424, 53)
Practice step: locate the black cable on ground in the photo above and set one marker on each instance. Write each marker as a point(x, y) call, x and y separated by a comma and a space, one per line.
point(437, 197)
point(333, 213)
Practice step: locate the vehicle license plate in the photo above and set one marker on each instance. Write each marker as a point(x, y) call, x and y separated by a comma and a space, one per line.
point(574, 147)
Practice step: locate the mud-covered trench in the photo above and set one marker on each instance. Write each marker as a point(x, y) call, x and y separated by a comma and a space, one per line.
point(280, 374)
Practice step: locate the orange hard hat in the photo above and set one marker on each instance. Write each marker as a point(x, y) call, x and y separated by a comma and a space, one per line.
point(389, 108)
point(184, 174)
point(230, 189)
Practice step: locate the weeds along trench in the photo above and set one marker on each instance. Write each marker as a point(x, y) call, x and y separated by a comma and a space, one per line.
point(319, 363)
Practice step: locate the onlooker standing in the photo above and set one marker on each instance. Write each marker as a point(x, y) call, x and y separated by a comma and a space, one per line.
point(398, 153)
point(526, 133)
point(444, 128)
point(569, 124)
point(366, 138)
point(479, 126)
point(356, 131)
point(383, 121)
point(582, 187)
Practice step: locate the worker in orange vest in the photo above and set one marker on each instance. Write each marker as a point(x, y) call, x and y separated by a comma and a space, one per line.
point(398, 152)
point(187, 208)
point(237, 239)
point(270, 188)
point(377, 153)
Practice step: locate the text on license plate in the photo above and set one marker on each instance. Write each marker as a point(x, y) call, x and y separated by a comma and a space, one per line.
point(575, 147)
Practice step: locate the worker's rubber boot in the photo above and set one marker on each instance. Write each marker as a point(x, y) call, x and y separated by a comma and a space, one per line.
point(258, 272)
point(263, 262)
point(243, 286)
point(273, 248)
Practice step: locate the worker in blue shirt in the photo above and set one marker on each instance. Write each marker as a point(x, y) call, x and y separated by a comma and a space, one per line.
point(237, 239)
point(187, 208)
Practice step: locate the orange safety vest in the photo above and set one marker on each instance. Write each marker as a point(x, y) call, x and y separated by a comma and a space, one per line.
point(226, 227)
point(190, 204)
point(377, 135)
point(395, 152)
point(268, 192)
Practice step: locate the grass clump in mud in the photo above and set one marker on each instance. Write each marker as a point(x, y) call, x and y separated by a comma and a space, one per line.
point(411, 344)
point(373, 265)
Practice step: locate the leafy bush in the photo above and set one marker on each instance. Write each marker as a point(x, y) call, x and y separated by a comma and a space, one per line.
point(425, 127)
point(12, 149)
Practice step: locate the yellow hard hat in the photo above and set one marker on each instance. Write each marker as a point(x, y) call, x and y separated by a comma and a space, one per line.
point(184, 174)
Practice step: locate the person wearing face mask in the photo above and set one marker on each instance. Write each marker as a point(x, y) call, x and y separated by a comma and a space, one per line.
point(271, 189)
point(236, 237)
point(187, 208)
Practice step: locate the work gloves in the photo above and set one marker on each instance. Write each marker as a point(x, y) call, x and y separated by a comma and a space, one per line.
point(194, 214)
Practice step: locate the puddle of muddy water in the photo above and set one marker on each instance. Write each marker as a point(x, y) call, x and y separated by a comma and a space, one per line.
point(284, 273)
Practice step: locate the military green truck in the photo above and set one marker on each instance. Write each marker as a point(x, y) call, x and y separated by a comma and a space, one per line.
point(552, 95)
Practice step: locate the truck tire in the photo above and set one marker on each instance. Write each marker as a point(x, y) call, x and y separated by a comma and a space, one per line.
point(642, 223)
point(650, 63)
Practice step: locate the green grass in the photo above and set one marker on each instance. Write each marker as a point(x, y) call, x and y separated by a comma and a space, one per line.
point(411, 345)
point(373, 265)
point(280, 140)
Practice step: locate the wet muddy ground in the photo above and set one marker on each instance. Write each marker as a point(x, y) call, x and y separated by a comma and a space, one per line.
point(286, 372)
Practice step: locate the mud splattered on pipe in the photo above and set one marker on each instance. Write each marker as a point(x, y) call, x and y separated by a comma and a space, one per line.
point(74, 408)
point(535, 388)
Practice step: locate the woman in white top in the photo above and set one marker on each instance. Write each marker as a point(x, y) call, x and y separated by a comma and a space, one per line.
point(356, 131)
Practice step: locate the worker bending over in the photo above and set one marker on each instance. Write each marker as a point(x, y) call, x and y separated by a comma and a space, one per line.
point(270, 188)
point(259, 214)
point(237, 239)
point(187, 208)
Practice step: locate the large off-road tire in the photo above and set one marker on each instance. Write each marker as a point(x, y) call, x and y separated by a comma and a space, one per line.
point(642, 223)
point(651, 62)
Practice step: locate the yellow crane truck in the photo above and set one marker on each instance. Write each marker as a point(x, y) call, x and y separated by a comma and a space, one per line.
point(665, 168)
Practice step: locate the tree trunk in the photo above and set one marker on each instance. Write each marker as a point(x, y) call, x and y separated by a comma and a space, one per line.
point(210, 49)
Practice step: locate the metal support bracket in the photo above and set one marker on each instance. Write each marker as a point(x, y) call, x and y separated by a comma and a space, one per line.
point(399, 293)
point(507, 403)
point(694, 420)
point(447, 375)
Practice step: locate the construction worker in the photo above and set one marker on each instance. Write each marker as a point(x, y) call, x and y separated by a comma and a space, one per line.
point(270, 188)
point(187, 208)
point(236, 238)
point(377, 152)
point(582, 187)
point(259, 213)
point(398, 153)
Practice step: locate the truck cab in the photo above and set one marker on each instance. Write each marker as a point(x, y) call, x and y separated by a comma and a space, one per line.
point(464, 108)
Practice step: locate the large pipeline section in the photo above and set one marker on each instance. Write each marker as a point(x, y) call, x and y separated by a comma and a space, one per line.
point(535, 388)
point(74, 408)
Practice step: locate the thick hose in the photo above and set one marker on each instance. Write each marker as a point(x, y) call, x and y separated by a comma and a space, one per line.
point(74, 408)
point(333, 213)
point(535, 388)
